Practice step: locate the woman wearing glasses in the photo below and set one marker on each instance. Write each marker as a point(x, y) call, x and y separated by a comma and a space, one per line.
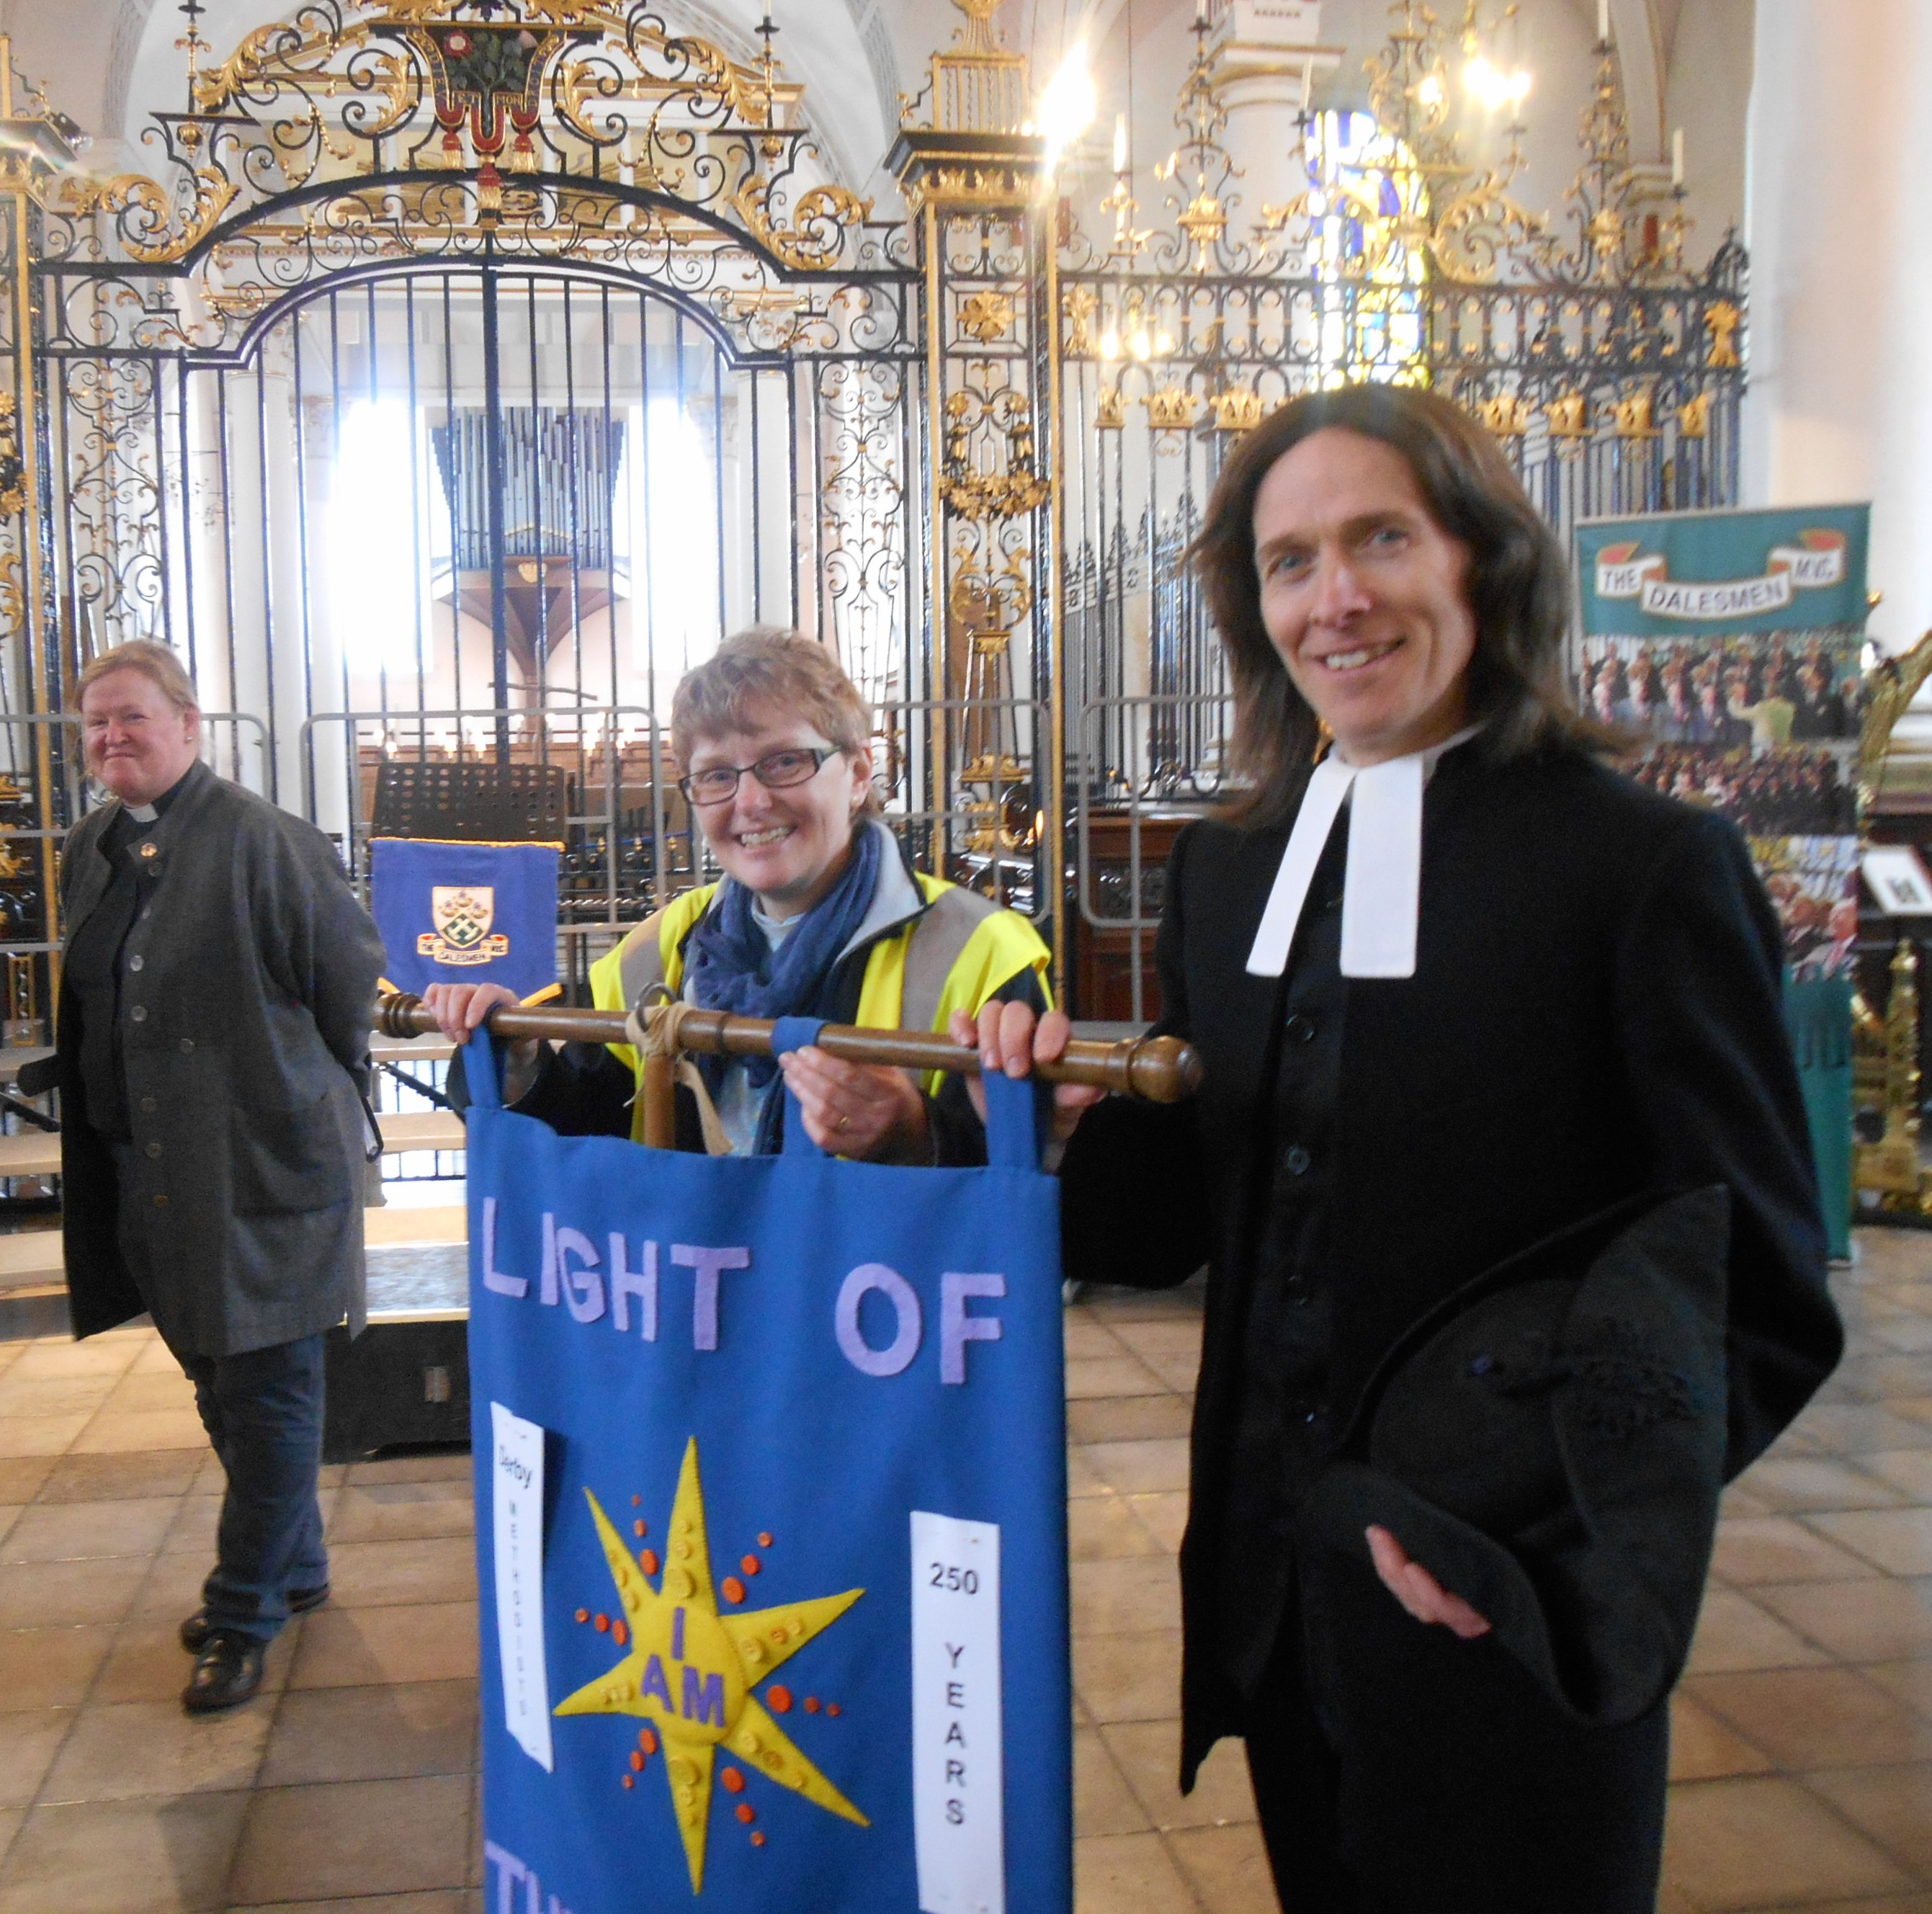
point(818, 915)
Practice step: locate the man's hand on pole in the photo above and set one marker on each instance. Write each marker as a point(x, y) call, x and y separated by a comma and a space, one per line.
point(1009, 1038)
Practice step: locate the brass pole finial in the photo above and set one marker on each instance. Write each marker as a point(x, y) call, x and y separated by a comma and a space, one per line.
point(192, 43)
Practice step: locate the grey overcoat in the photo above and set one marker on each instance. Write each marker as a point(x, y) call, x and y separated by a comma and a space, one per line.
point(248, 982)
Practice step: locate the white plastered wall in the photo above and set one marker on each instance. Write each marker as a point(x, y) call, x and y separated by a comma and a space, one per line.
point(1841, 349)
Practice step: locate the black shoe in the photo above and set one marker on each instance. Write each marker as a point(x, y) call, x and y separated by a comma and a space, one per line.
point(197, 1629)
point(227, 1672)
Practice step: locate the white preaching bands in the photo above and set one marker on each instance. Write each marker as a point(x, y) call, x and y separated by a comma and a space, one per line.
point(1382, 887)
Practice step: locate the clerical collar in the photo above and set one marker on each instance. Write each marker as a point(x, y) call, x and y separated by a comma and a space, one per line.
point(146, 814)
point(1381, 886)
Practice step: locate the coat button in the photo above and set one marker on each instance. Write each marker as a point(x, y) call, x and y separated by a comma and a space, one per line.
point(137, 963)
point(160, 1200)
point(138, 1015)
point(1301, 1029)
point(1295, 1160)
point(148, 1106)
point(154, 1149)
point(187, 1045)
point(149, 850)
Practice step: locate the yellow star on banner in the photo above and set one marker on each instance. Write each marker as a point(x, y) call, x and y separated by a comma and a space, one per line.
point(692, 1670)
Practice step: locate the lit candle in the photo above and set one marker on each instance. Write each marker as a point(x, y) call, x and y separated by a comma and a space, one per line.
point(1677, 158)
point(1307, 84)
point(1200, 12)
point(1120, 143)
point(1603, 21)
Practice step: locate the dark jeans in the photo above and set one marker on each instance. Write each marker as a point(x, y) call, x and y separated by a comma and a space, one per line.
point(262, 1411)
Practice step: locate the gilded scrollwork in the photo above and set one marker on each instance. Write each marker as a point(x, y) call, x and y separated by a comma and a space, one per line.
point(989, 470)
point(986, 315)
point(862, 499)
point(151, 228)
point(814, 236)
point(12, 472)
point(592, 104)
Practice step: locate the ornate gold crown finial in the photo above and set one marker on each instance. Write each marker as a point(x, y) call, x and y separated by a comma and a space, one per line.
point(1508, 414)
point(976, 36)
point(1237, 408)
point(1172, 408)
point(1569, 416)
point(1633, 416)
point(977, 85)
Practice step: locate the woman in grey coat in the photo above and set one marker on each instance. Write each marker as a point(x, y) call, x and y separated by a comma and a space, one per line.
point(218, 980)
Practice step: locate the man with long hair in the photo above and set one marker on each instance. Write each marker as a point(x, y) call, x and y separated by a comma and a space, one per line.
point(1501, 1176)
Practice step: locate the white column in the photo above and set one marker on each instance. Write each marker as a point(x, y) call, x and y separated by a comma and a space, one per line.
point(1840, 348)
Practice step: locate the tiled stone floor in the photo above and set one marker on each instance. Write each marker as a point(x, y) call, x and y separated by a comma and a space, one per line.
point(1804, 1742)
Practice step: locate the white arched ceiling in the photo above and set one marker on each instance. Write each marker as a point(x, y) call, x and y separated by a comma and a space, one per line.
point(1644, 60)
point(68, 45)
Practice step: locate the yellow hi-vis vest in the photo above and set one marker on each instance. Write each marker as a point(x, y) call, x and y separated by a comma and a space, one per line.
point(952, 955)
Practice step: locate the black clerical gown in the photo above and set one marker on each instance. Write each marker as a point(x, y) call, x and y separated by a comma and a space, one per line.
point(1595, 1016)
point(1283, 1419)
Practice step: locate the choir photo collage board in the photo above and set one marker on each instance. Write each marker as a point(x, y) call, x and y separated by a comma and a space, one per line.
point(1725, 646)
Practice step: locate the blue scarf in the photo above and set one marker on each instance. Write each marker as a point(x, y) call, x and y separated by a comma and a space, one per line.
point(729, 966)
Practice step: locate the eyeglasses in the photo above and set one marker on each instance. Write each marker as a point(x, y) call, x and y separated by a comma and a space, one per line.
point(777, 770)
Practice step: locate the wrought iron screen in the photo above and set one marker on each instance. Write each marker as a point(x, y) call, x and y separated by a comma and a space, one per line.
point(477, 366)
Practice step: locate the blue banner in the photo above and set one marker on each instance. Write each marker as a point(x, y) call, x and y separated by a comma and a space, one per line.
point(452, 913)
point(771, 1524)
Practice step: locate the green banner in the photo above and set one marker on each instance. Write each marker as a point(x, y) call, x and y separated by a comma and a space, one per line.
point(1819, 1016)
point(1672, 574)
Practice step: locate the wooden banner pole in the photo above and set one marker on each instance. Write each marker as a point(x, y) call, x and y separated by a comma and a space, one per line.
point(1162, 1069)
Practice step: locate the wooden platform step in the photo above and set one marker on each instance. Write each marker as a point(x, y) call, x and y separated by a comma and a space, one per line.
point(421, 1130)
point(404, 1223)
point(36, 1153)
point(32, 1153)
point(411, 1049)
point(31, 1258)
